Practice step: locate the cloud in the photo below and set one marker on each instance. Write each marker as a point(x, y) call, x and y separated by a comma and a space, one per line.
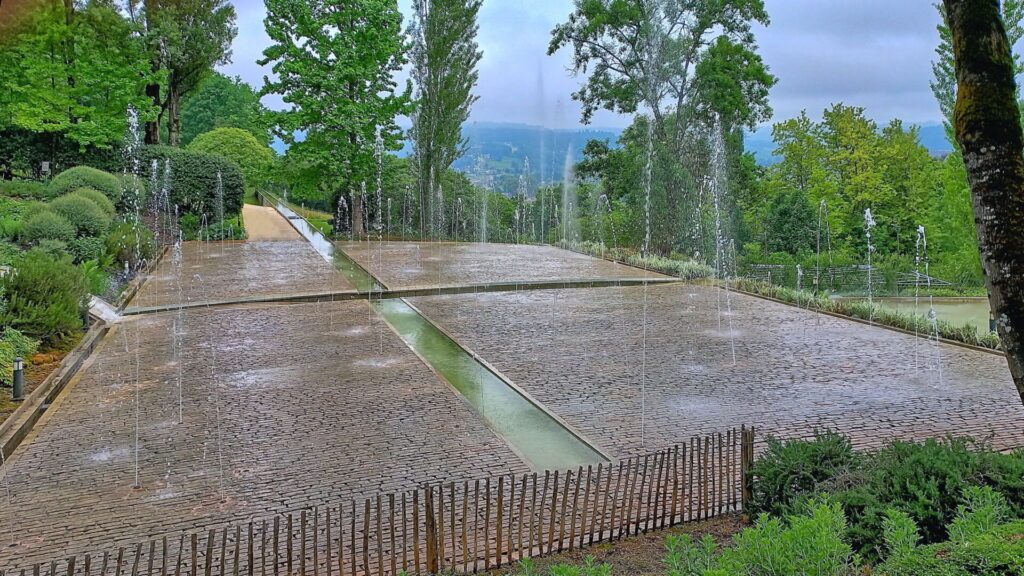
point(871, 53)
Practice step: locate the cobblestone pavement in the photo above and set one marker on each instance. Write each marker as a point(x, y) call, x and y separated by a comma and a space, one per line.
point(430, 264)
point(580, 352)
point(283, 406)
point(210, 271)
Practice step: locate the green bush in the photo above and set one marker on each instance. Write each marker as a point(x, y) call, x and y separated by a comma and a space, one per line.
point(788, 472)
point(189, 225)
point(134, 194)
point(9, 252)
point(98, 198)
point(46, 225)
point(242, 148)
point(14, 344)
point(194, 180)
point(230, 229)
point(25, 189)
point(86, 248)
point(95, 272)
point(982, 541)
point(87, 218)
point(808, 543)
point(10, 228)
point(85, 177)
point(55, 248)
point(46, 297)
point(130, 243)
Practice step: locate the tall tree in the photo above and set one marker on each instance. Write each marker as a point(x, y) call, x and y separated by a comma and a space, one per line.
point(444, 58)
point(684, 61)
point(223, 102)
point(944, 81)
point(187, 38)
point(70, 75)
point(334, 63)
point(986, 121)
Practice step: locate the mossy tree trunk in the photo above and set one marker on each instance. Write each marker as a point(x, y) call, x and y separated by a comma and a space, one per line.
point(987, 125)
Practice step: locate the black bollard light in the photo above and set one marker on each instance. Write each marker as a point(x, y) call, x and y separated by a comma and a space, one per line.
point(17, 391)
point(991, 322)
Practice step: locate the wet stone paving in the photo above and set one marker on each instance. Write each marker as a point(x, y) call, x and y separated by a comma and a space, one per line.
point(247, 410)
point(433, 264)
point(581, 354)
point(282, 407)
point(225, 271)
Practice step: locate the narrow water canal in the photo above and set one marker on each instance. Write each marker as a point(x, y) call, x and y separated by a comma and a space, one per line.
point(542, 440)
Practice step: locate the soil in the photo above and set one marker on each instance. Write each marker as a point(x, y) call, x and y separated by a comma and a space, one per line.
point(641, 555)
point(38, 367)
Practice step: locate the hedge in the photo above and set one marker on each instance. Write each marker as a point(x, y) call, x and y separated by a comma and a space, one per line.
point(98, 198)
point(194, 180)
point(85, 177)
point(27, 189)
point(241, 147)
point(87, 218)
point(46, 225)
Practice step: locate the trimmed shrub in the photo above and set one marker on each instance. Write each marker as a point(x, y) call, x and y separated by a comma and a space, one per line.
point(25, 189)
point(32, 208)
point(242, 148)
point(46, 225)
point(230, 229)
point(98, 198)
point(788, 472)
point(86, 248)
point(14, 344)
point(134, 194)
point(46, 297)
point(85, 177)
point(194, 180)
point(130, 243)
point(55, 248)
point(87, 218)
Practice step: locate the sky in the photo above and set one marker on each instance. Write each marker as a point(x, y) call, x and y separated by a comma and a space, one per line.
point(876, 54)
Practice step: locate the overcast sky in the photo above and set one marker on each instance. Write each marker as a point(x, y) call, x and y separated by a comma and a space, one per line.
point(871, 53)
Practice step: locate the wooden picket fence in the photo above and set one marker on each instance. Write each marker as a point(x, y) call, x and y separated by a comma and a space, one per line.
point(462, 527)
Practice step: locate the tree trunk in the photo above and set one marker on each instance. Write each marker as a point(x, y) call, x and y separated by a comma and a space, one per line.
point(357, 214)
point(153, 127)
point(987, 125)
point(173, 115)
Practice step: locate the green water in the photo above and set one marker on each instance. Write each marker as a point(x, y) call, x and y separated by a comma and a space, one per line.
point(540, 439)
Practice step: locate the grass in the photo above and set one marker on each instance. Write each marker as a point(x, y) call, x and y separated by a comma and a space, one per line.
point(965, 333)
point(685, 269)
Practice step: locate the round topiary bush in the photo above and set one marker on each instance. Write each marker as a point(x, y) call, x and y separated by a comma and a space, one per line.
point(194, 181)
point(242, 148)
point(85, 177)
point(97, 198)
point(46, 225)
point(87, 218)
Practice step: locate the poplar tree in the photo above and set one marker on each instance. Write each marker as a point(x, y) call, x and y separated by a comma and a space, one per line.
point(334, 63)
point(444, 59)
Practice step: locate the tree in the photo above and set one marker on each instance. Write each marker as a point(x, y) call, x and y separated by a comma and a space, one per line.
point(444, 58)
point(986, 122)
point(252, 156)
point(70, 76)
point(223, 102)
point(187, 38)
point(334, 62)
point(944, 81)
point(687, 63)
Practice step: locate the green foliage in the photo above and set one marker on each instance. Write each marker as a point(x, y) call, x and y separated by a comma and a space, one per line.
point(134, 195)
point(86, 248)
point(343, 94)
point(589, 568)
point(71, 75)
point(14, 344)
point(55, 248)
point(95, 273)
point(788, 471)
point(46, 225)
point(46, 297)
point(223, 102)
point(10, 228)
point(85, 177)
point(810, 543)
point(230, 229)
point(130, 243)
point(189, 225)
point(253, 157)
point(98, 198)
point(981, 542)
point(84, 214)
point(26, 189)
point(194, 180)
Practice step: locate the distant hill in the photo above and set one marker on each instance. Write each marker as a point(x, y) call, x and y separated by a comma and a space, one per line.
point(498, 151)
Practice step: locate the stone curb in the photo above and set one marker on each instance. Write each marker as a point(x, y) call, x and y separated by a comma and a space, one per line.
point(18, 425)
